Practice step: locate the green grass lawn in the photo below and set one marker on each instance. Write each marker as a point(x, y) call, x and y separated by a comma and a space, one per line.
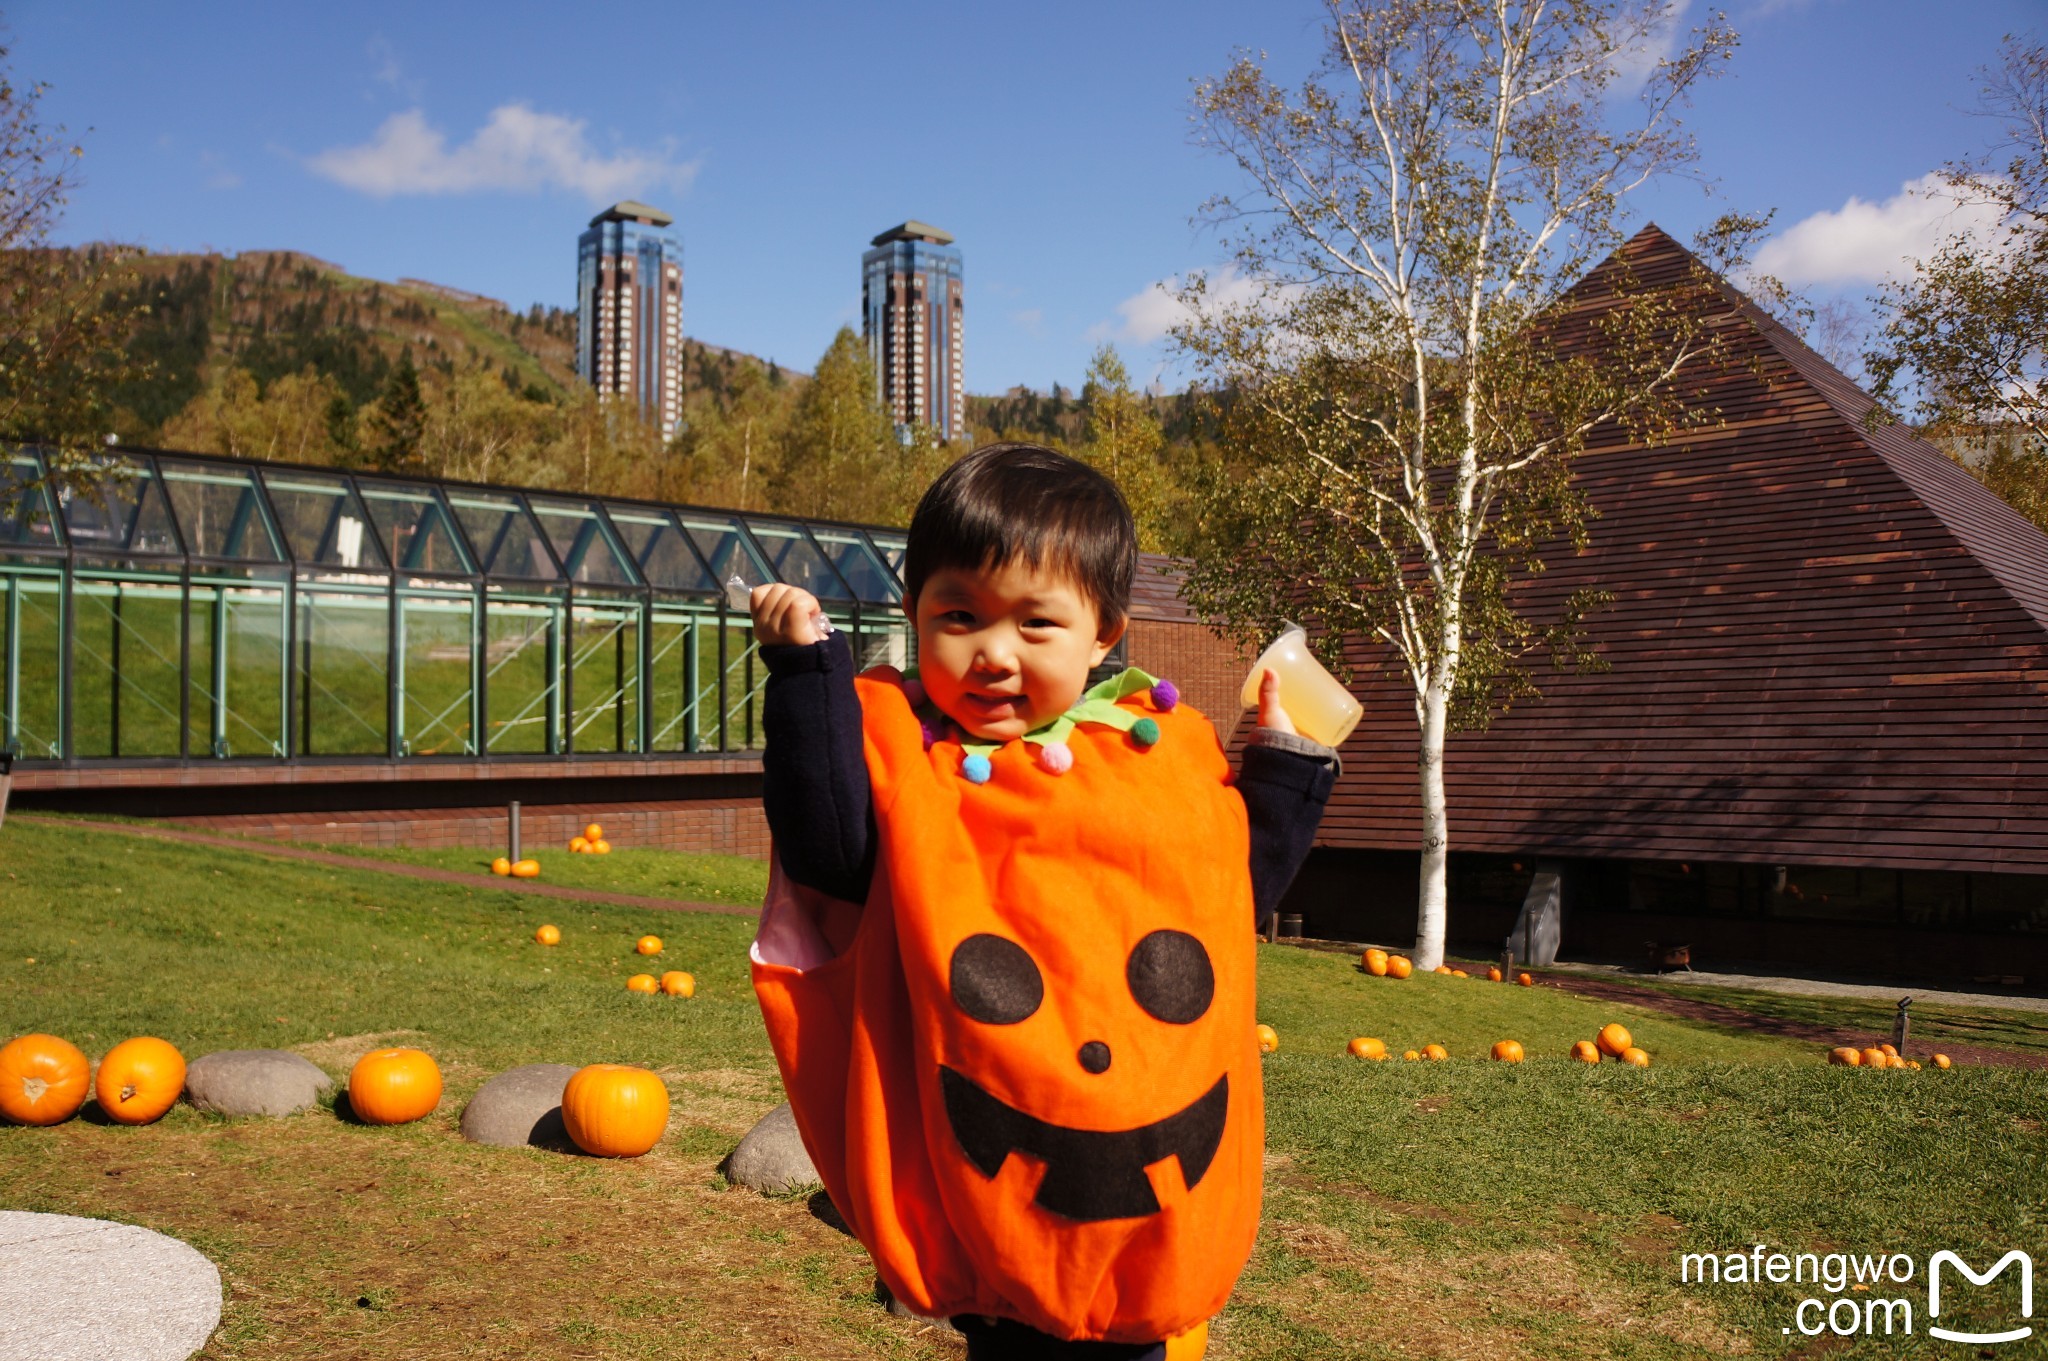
point(1463, 1208)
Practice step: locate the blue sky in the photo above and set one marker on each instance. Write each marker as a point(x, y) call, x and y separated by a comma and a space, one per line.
point(468, 144)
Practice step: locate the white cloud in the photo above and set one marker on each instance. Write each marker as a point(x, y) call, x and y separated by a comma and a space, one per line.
point(218, 173)
point(520, 148)
point(1147, 315)
point(1866, 243)
point(1031, 320)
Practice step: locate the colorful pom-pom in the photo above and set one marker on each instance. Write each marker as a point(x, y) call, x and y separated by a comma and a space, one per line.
point(1056, 758)
point(1165, 694)
point(1145, 732)
point(913, 690)
point(977, 768)
point(931, 730)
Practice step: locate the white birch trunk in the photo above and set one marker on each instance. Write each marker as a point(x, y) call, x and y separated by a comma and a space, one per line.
point(1433, 912)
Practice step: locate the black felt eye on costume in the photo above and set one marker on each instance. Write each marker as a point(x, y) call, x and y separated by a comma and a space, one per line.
point(1170, 975)
point(995, 981)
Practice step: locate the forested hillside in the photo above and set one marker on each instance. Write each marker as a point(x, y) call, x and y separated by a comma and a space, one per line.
point(277, 355)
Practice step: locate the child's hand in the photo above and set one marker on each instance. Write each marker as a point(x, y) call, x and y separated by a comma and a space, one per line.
point(1271, 715)
point(783, 614)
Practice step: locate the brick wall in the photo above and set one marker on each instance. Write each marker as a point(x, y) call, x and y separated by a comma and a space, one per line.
point(724, 826)
point(1208, 671)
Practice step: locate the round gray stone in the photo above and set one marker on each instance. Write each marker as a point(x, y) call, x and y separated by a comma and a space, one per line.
point(254, 1082)
point(75, 1289)
point(771, 1158)
point(520, 1107)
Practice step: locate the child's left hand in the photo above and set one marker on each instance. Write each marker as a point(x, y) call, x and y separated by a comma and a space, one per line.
point(1271, 715)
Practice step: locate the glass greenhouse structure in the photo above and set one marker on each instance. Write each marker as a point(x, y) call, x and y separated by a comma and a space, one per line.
point(203, 609)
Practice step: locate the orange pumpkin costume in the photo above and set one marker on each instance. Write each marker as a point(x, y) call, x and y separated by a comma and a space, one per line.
point(1026, 1067)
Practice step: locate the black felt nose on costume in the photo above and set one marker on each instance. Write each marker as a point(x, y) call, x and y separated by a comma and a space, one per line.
point(1094, 1056)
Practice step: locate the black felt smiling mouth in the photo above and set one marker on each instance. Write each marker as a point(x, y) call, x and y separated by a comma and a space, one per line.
point(1089, 1175)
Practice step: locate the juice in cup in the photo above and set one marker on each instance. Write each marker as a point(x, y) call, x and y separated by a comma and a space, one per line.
point(1322, 709)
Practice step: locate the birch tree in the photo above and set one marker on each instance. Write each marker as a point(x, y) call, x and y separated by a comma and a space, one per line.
point(1400, 394)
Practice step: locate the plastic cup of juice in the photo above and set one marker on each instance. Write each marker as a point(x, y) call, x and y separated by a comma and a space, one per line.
point(1321, 707)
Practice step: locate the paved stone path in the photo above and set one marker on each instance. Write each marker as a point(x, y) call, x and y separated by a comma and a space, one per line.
point(75, 1289)
point(1820, 987)
point(358, 862)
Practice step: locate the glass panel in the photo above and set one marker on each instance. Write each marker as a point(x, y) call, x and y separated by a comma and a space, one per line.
point(682, 680)
point(522, 653)
point(25, 516)
point(344, 673)
point(436, 674)
point(323, 521)
point(858, 566)
point(35, 634)
point(583, 544)
point(607, 679)
point(125, 646)
point(504, 536)
point(795, 561)
point(893, 547)
point(237, 671)
point(723, 547)
point(659, 548)
point(883, 642)
point(417, 530)
point(745, 678)
point(126, 513)
point(220, 512)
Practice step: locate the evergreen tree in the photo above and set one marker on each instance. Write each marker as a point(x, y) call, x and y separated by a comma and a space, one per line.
point(840, 452)
point(400, 420)
point(1123, 439)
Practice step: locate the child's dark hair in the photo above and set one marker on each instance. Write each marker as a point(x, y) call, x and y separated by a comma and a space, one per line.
point(1026, 501)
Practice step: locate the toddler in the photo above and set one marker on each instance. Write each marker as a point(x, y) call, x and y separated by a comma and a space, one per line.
point(1007, 958)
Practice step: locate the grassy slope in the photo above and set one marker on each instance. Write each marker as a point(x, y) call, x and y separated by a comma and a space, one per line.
point(1413, 1209)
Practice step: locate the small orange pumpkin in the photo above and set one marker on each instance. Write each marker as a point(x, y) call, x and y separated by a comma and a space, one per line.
point(1941, 1061)
point(549, 934)
point(1635, 1056)
point(1435, 1053)
point(1399, 966)
point(501, 866)
point(1374, 962)
point(1459, 973)
point(577, 845)
point(1875, 1058)
point(1493, 974)
point(593, 833)
point(1846, 1057)
point(526, 869)
point(614, 1110)
point(1894, 1061)
point(1412, 1055)
point(43, 1079)
point(139, 1080)
point(1444, 969)
point(642, 982)
point(1914, 1064)
point(1366, 1047)
point(394, 1086)
point(1889, 1052)
point(1508, 1051)
point(1269, 1039)
point(676, 983)
point(1525, 980)
point(648, 945)
point(600, 847)
point(1585, 1051)
point(1614, 1039)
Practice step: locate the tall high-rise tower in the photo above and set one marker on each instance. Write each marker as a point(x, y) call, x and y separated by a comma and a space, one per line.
point(911, 314)
point(629, 309)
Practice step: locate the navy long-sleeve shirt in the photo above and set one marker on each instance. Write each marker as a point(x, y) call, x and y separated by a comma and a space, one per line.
point(814, 781)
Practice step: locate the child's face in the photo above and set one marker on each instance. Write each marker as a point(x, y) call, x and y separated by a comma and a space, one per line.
point(1004, 650)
